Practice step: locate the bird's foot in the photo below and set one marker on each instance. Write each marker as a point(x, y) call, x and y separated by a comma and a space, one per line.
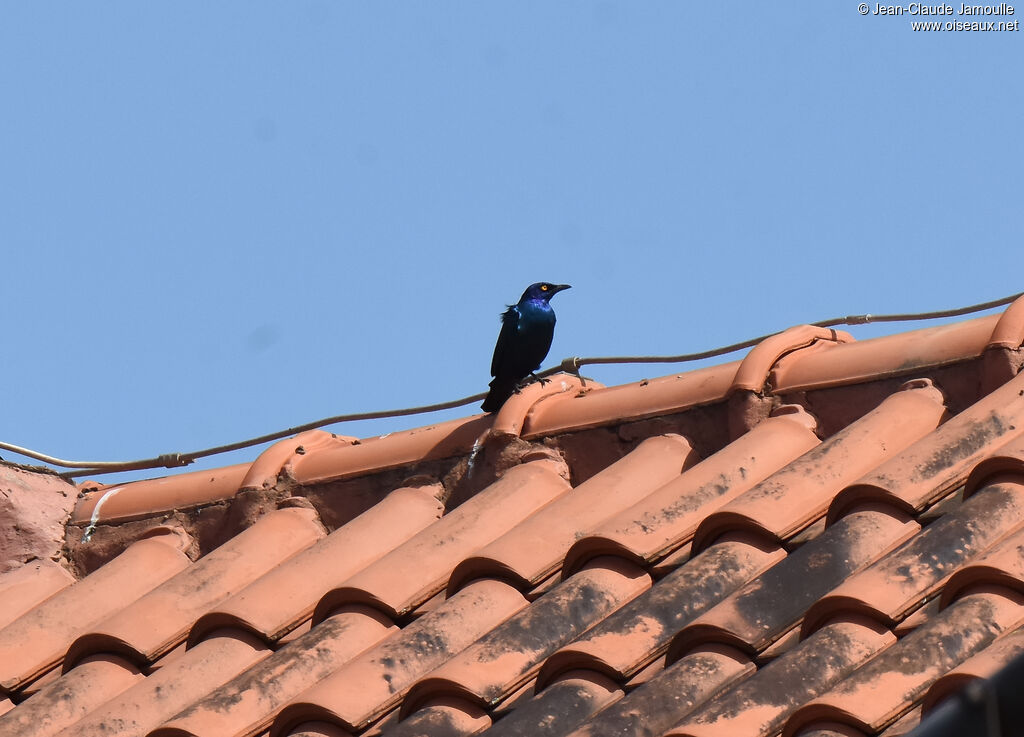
point(531, 379)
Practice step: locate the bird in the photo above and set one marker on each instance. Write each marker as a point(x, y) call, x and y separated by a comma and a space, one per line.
point(525, 338)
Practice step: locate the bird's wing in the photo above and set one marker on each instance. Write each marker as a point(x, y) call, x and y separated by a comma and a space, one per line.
point(509, 324)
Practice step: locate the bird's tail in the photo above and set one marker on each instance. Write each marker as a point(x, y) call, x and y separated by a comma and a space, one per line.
point(501, 389)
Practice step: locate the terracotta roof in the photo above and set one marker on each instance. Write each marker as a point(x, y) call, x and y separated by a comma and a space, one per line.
point(823, 538)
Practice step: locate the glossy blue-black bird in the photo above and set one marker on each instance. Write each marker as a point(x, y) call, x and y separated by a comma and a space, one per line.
point(526, 331)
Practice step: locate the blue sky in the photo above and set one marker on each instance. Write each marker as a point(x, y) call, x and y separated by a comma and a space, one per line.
point(220, 220)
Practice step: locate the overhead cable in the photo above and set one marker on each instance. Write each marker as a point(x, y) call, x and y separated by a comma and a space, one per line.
point(570, 365)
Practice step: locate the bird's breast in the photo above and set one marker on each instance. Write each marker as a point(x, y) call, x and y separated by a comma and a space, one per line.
point(536, 314)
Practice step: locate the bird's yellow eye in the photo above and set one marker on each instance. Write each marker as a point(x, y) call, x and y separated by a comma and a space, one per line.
point(544, 287)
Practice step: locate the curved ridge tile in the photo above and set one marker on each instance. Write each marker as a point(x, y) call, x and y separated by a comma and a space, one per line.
point(63, 702)
point(28, 586)
point(135, 499)
point(758, 706)
point(163, 693)
point(280, 600)
point(374, 682)
point(248, 703)
point(264, 471)
point(898, 583)
point(509, 655)
point(667, 517)
point(753, 372)
point(158, 621)
point(533, 549)
point(640, 631)
point(940, 461)
point(671, 695)
point(769, 606)
point(36, 641)
point(981, 666)
point(559, 708)
point(416, 570)
point(885, 357)
point(1009, 330)
point(1003, 566)
point(883, 690)
point(515, 412)
point(648, 398)
point(339, 461)
point(800, 493)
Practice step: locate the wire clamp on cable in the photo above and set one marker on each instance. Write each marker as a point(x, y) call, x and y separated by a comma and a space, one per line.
point(174, 460)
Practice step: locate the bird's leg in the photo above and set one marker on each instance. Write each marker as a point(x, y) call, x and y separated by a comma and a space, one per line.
point(537, 378)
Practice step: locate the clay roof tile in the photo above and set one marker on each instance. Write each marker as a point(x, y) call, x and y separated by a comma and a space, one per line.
point(983, 665)
point(901, 355)
point(150, 701)
point(534, 548)
point(563, 705)
point(501, 661)
point(941, 461)
point(416, 570)
point(845, 556)
point(28, 586)
point(901, 581)
point(641, 631)
point(801, 492)
point(887, 687)
point(36, 641)
point(671, 695)
point(60, 704)
point(443, 719)
point(764, 609)
point(667, 517)
point(760, 704)
point(153, 624)
point(249, 702)
point(375, 681)
point(278, 601)
point(648, 398)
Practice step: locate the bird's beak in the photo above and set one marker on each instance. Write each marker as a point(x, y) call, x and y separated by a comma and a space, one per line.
point(560, 287)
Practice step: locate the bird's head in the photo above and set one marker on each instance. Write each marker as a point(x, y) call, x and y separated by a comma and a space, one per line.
point(543, 290)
